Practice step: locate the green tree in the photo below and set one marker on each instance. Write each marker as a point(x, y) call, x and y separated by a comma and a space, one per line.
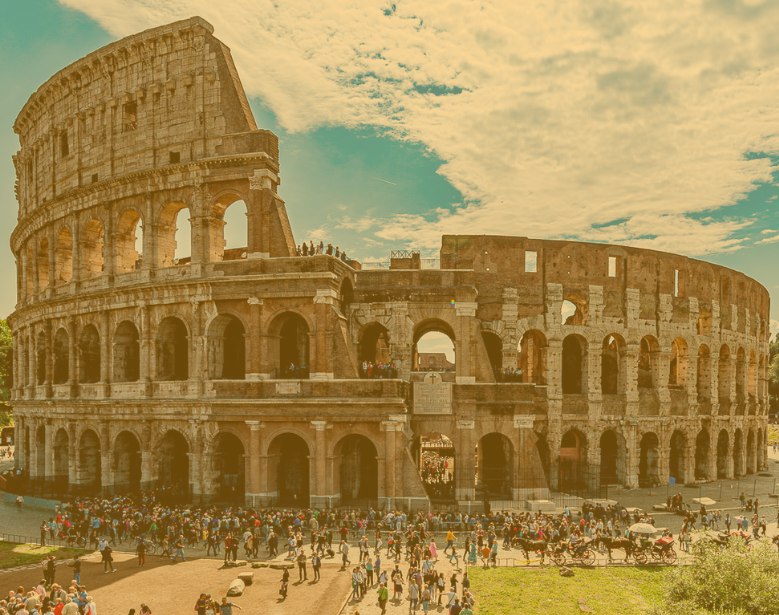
point(738, 580)
point(6, 372)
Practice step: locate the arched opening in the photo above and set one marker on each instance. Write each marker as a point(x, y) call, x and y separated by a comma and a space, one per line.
point(128, 241)
point(40, 358)
point(724, 379)
point(612, 369)
point(495, 467)
point(345, 295)
point(229, 230)
point(61, 357)
point(228, 466)
point(358, 471)
point(676, 457)
point(571, 312)
point(373, 351)
point(494, 346)
point(288, 470)
point(573, 461)
point(611, 458)
point(677, 375)
point(702, 451)
point(741, 379)
point(647, 362)
point(531, 359)
point(172, 350)
point(436, 466)
point(574, 364)
point(738, 454)
point(127, 363)
point(92, 243)
point(226, 348)
point(704, 321)
point(703, 383)
point(43, 264)
point(63, 256)
point(649, 460)
point(40, 452)
point(434, 348)
point(751, 452)
point(723, 446)
point(61, 460)
point(89, 470)
point(293, 346)
point(174, 235)
point(89, 355)
point(173, 466)
point(127, 463)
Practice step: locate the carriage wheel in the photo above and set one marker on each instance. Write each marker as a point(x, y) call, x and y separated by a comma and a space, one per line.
point(669, 556)
point(557, 558)
point(640, 557)
point(587, 558)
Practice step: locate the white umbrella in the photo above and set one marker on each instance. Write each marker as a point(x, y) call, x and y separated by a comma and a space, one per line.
point(704, 501)
point(643, 528)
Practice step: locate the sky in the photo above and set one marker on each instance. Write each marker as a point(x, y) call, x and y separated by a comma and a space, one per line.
point(652, 124)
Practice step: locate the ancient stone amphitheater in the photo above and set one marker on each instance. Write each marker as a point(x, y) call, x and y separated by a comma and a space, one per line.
point(148, 354)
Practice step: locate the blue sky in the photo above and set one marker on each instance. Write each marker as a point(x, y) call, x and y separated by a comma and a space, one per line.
point(604, 122)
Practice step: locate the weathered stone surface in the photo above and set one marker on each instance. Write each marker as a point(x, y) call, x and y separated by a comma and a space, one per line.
point(246, 577)
point(237, 587)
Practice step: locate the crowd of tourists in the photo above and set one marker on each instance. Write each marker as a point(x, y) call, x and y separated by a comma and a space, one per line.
point(436, 475)
point(508, 374)
point(369, 369)
point(311, 249)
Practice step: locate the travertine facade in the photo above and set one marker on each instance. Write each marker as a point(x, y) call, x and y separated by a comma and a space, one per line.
point(135, 367)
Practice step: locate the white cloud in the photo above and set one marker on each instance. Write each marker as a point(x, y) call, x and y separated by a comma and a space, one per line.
point(549, 118)
point(771, 239)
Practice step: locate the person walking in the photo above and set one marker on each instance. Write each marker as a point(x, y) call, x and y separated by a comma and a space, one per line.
point(302, 572)
point(316, 564)
point(108, 559)
point(141, 551)
point(383, 595)
point(226, 608)
point(76, 565)
point(179, 547)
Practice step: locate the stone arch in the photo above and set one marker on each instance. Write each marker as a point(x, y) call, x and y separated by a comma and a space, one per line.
point(738, 453)
point(356, 469)
point(289, 469)
point(741, 379)
point(290, 345)
point(752, 378)
point(128, 241)
point(173, 237)
point(61, 349)
point(89, 462)
point(228, 228)
point(228, 466)
point(172, 349)
point(436, 457)
point(703, 384)
point(89, 355)
point(41, 356)
point(677, 375)
point(574, 364)
point(431, 350)
point(43, 264)
point(648, 352)
point(373, 348)
point(494, 347)
point(573, 461)
point(573, 310)
point(127, 363)
point(226, 348)
point(649, 461)
point(345, 295)
point(531, 358)
point(495, 466)
point(677, 456)
point(702, 453)
point(63, 256)
point(173, 464)
point(127, 462)
point(61, 459)
point(724, 379)
point(92, 242)
point(613, 379)
point(751, 456)
point(613, 451)
point(723, 456)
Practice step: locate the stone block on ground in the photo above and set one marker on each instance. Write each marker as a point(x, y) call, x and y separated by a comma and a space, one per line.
point(282, 566)
point(247, 577)
point(236, 588)
point(259, 564)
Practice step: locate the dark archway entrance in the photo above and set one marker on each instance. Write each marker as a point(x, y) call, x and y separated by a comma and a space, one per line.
point(495, 466)
point(89, 470)
point(738, 454)
point(723, 444)
point(172, 350)
point(358, 472)
point(61, 460)
point(435, 462)
point(127, 463)
point(228, 466)
point(676, 457)
point(226, 349)
point(648, 465)
point(293, 347)
point(702, 451)
point(573, 460)
point(609, 453)
point(288, 468)
point(173, 466)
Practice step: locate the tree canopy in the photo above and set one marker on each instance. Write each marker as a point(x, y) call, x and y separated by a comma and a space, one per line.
point(6, 371)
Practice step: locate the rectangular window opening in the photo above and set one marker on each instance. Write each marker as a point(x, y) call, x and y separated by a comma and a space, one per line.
point(676, 282)
point(64, 146)
point(175, 157)
point(531, 261)
point(130, 118)
point(612, 266)
point(94, 178)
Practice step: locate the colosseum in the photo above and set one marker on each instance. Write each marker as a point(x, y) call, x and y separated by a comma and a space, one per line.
point(149, 353)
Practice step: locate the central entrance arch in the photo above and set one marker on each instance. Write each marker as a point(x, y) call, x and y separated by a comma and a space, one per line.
point(288, 470)
point(358, 471)
point(495, 466)
point(228, 467)
point(89, 470)
point(573, 460)
point(648, 466)
point(435, 461)
point(173, 465)
point(127, 462)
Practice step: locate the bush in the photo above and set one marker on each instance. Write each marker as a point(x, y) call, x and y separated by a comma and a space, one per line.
point(737, 580)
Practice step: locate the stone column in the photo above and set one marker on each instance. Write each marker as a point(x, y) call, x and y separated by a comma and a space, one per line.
point(594, 393)
point(465, 475)
point(464, 369)
point(261, 195)
point(198, 371)
point(318, 486)
point(389, 428)
point(49, 378)
point(252, 467)
point(105, 351)
point(48, 460)
point(253, 343)
point(632, 454)
point(20, 454)
point(321, 344)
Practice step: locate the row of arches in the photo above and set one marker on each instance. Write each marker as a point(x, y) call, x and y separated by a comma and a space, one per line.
point(50, 260)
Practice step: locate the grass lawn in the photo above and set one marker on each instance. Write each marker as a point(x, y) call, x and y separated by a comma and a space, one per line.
point(542, 591)
point(773, 434)
point(12, 555)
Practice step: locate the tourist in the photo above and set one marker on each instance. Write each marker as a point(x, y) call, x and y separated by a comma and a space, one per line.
point(226, 608)
point(179, 547)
